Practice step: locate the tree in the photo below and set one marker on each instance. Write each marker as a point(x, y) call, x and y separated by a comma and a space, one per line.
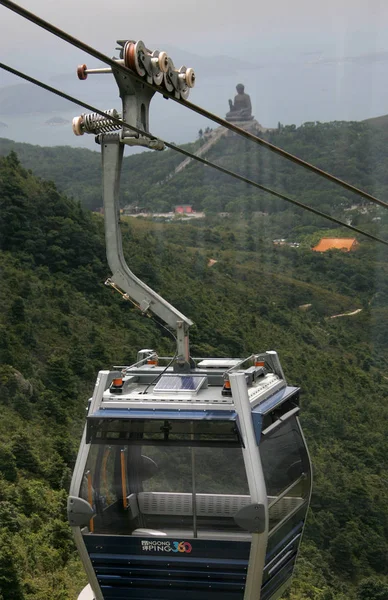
point(10, 588)
point(7, 464)
point(372, 589)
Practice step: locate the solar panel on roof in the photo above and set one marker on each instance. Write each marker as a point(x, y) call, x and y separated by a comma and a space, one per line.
point(179, 383)
point(218, 363)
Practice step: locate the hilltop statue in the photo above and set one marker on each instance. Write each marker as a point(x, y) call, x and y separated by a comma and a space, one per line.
point(241, 108)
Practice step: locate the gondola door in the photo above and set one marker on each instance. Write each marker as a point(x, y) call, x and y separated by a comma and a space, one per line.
point(287, 473)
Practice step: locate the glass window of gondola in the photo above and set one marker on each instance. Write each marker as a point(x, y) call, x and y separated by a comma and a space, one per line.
point(286, 470)
point(183, 478)
point(174, 431)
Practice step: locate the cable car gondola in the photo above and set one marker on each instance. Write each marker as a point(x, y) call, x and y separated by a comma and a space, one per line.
point(199, 485)
point(193, 476)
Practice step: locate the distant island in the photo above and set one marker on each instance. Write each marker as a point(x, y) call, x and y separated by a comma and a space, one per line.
point(57, 121)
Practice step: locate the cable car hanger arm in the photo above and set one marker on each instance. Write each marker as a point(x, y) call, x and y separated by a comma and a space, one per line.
point(134, 131)
point(147, 299)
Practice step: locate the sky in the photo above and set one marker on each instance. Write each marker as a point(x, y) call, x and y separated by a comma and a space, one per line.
point(208, 24)
point(299, 60)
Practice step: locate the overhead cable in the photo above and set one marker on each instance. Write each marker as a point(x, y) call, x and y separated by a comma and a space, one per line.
point(189, 154)
point(199, 110)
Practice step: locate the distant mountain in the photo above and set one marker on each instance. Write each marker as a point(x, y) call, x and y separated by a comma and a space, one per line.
point(362, 59)
point(57, 121)
point(25, 98)
point(3, 124)
point(214, 66)
point(377, 121)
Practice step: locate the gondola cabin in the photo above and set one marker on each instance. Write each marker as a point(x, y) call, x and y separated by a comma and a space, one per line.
point(191, 484)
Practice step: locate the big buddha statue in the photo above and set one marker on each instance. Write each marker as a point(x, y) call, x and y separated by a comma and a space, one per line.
point(241, 108)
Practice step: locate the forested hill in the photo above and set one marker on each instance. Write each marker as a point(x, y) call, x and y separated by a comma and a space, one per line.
point(354, 151)
point(60, 325)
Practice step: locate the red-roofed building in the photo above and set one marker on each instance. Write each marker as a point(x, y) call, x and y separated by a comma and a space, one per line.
point(344, 244)
point(184, 209)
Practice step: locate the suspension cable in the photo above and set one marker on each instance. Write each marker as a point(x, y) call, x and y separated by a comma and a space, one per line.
point(199, 110)
point(189, 154)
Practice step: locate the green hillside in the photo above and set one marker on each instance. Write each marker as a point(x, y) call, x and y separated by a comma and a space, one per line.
point(354, 151)
point(59, 325)
point(77, 172)
point(380, 122)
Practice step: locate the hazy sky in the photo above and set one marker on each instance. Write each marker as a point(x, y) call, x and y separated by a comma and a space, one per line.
point(205, 25)
point(316, 60)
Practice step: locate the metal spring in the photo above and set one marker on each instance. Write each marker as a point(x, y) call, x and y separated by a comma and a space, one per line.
point(95, 123)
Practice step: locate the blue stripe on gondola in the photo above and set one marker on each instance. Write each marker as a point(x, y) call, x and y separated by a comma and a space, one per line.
point(152, 560)
point(104, 572)
point(281, 577)
point(292, 534)
point(167, 594)
point(177, 584)
point(125, 546)
point(192, 415)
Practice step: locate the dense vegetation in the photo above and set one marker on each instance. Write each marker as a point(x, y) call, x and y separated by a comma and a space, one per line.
point(354, 151)
point(59, 325)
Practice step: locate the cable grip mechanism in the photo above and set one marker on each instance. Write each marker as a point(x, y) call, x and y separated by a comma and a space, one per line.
point(158, 70)
point(96, 123)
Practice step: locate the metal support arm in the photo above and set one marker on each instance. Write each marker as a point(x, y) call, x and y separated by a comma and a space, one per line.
point(122, 276)
point(156, 68)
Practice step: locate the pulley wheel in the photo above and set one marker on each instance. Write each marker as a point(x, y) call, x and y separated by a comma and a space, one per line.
point(185, 92)
point(167, 83)
point(77, 126)
point(163, 62)
point(139, 47)
point(190, 78)
point(81, 72)
point(158, 78)
point(129, 56)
